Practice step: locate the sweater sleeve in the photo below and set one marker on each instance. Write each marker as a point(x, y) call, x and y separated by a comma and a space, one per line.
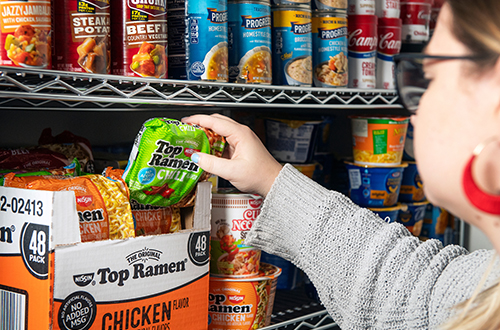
point(369, 274)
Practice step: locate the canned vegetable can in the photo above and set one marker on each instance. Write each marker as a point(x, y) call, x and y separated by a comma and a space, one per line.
point(26, 34)
point(249, 42)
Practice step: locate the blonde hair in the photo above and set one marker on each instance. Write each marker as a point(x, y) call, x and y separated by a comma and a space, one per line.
point(477, 25)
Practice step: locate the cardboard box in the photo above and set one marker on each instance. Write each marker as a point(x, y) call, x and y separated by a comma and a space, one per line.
point(49, 280)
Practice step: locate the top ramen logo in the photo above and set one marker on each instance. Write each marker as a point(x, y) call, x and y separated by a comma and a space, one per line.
point(358, 42)
point(98, 3)
point(143, 255)
point(388, 44)
point(84, 201)
point(150, 7)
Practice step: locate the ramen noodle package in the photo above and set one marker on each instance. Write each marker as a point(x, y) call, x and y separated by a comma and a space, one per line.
point(154, 220)
point(31, 159)
point(25, 33)
point(243, 303)
point(81, 36)
point(233, 215)
point(102, 203)
point(378, 140)
point(160, 171)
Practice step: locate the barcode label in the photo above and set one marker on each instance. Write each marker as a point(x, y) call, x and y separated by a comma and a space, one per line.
point(13, 309)
point(301, 150)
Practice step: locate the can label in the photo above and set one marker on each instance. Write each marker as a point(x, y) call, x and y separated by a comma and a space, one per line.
point(389, 45)
point(26, 34)
point(290, 2)
point(329, 35)
point(388, 8)
point(250, 43)
point(177, 44)
point(139, 38)
point(292, 56)
point(416, 19)
point(329, 5)
point(232, 217)
point(362, 54)
point(207, 51)
point(361, 7)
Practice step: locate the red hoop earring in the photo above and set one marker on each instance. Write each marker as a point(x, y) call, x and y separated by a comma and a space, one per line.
point(482, 200)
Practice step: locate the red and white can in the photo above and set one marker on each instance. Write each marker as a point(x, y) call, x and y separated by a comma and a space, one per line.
point(362, 48)
point(416, 16)
point(389, 45)
point(81, 36)
point(436, 8)
point(388, 8)
point(361, 7)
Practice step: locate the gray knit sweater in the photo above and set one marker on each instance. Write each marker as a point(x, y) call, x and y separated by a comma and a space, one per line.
point(369, 274)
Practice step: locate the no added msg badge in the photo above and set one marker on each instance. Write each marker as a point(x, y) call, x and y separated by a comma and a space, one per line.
point(77, 312)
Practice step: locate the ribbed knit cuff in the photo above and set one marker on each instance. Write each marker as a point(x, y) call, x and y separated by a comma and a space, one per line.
point(287, 213)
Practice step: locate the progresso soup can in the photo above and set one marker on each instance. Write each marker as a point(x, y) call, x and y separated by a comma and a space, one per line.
point(25, 33)
point(329, 37)
point(207, 52)
point(82, 36)
point(292, 53)
point(139, 38)
point(249, 42)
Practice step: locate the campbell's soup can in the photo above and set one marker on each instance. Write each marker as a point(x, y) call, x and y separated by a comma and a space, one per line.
point(249, 42)
point(139, 38)
point(388, 8)
point(328, 5)
point(361, 7)
point(244, 303)
point(436, 8)
point(329, 36)
point(416, 16)
point(389, 45)
point(362, 47)
point(81, 40)
point(177, 60)
point(233, 215)
point(292, 53)
point(25, 33)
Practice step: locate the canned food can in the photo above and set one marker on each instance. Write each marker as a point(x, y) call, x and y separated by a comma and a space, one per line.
point(361, 7)
point(436, 8)
point(249, 42)
point(82, 36)
point(291, 2)
point(139, 39)
point(362, 51)
point(329, 5)
point(329, 36)
point(388, 8)
point(25, 33)
point(207, 52)
point(416, 15)
point(389, 45)
point(233, 215)
point(177, 60)
point(292, 53)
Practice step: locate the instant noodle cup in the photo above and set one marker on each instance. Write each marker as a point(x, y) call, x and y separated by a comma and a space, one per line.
point(413, 217)
point(371, 186)
point(233, 215)
point(378, 140)
point(388, 214)
point(291, 276)
point(291, 141)
point(244, 303)
point(412, 188)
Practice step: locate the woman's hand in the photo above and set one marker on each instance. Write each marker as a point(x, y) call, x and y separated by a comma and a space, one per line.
point(249, 167)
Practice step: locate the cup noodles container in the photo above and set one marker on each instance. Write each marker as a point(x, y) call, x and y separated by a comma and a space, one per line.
point(372, 186)
point(242, 304)
point(416, 15)
point(378, 140)
point(388, 8)
point(291, 141)
point(139, 38)
point(412, 187)
point(25, 36)
point(389, 45)
point(388, 214)
point(233, 215)
point(362, 46)
point(413, 217)
point(81, 34)
point(361, 7)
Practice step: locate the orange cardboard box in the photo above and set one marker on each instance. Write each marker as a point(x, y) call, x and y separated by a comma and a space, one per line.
point(49, 280)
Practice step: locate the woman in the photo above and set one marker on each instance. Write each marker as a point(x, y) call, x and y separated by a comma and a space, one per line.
point(370, 274)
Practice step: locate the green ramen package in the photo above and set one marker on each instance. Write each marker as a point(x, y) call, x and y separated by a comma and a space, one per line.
point(160, 171)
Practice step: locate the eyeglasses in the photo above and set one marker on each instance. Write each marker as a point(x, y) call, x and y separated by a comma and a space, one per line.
point(411, 83)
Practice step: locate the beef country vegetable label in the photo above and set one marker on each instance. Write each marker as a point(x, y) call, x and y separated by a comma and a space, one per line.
point(81, 35)
point(139, 38)
point(25, 33)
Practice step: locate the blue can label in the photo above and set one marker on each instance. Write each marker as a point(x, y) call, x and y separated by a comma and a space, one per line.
point(329, 35)
point(207, 50)
point(249, 43)
point(292, 56)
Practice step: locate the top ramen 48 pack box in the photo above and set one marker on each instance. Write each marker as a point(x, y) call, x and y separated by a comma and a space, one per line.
point(50, 280)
